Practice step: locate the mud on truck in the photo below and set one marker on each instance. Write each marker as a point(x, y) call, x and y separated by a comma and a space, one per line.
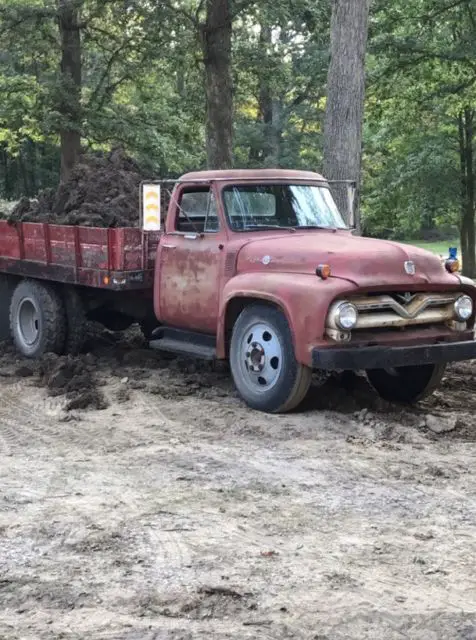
point(254, 267)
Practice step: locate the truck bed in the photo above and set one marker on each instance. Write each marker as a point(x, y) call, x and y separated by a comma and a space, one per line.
point(114, 259)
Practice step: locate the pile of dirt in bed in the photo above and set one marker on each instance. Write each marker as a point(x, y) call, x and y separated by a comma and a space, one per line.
point(102, 191)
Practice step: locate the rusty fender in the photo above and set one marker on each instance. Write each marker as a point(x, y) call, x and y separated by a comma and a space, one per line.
point(304, 300)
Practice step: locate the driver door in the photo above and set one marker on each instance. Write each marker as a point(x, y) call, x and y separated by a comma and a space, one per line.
point(191, 263)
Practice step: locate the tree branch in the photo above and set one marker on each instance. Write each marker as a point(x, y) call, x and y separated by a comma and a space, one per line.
point(444, 9)
point(191, 17)
point(107, 71)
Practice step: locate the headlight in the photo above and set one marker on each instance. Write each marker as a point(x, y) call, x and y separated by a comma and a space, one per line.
point(346, 316)
point(463, 308)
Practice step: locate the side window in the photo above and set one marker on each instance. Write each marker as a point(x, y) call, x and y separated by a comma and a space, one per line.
point(197, 212)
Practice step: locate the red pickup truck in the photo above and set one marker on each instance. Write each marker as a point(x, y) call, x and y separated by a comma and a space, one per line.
point(253, 267)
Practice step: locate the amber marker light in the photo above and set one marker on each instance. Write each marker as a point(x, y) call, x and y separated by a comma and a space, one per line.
point(323, 271)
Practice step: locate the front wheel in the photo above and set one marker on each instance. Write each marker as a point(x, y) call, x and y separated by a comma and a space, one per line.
point(406, 384)
point(262, 361)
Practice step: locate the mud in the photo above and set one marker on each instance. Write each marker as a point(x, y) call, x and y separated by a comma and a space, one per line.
point(72, 377)
point(177, 513)
point(102, 191)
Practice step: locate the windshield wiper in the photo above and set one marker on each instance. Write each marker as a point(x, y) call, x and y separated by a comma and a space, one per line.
point(252, 227)
point(314, 226)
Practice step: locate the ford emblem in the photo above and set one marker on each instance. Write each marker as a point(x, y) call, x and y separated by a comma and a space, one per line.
point(409, 268)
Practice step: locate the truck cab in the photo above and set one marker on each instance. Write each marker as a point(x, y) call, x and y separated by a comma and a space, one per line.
point(259, 268)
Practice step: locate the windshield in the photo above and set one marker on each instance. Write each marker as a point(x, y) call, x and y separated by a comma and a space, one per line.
point(255, 207)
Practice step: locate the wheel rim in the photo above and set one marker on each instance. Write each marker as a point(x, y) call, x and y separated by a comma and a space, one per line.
point(29, 321)
point(261, 357)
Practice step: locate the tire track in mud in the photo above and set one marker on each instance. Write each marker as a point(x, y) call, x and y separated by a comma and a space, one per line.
point(389, 625)
point(227, 532)
point(34, 426)
point(295, 626)
point(186, 628)
point(179, 551)
point(177, 554)
point(23, 420)
point(27, 423)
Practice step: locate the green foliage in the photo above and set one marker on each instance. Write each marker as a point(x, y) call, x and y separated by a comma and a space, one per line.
point(141, 83)
point(281, 49)
point(421, 76)
point(143, 87)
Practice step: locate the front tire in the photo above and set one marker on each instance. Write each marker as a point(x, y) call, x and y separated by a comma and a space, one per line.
point(37, 319)
point(406, 384)
point(264, 368)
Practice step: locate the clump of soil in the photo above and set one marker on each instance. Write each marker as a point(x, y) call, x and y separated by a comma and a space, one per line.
point(102, 191)
point(72, 376)
point(7, 351)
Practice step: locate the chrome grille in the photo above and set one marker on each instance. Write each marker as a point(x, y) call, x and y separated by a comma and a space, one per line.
point(399, 310)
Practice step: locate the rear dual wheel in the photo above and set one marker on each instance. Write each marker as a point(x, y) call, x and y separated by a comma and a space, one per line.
point(37, 319)
point(42, 320)
point(264, 368)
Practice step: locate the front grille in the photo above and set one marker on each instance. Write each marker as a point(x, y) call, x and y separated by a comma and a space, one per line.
point(393, 311)
point(400, 310)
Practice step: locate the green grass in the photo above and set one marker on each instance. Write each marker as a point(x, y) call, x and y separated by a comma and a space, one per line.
point(440, 248)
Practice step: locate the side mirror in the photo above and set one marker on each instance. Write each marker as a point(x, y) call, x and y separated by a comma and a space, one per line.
point(352, 202)
point(345, 196)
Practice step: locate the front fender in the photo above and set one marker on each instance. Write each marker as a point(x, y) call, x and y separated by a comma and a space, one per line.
point(304, 300)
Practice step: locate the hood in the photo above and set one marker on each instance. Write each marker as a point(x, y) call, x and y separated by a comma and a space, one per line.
point(364, 262)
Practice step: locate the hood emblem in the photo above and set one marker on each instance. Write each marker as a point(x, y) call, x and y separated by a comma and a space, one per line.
point(406, 298)
point(409, 268)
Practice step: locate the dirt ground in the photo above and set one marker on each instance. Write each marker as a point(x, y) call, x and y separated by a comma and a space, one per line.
point(165, 509)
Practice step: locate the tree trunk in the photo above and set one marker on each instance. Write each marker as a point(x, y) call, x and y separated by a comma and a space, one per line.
point(262, 149)
point(467, 225)
point(266, 101)
point(7, 186)
point(345, 98)
point(70, 100)
point(462, 159)
point(216, 45)
point(26, 189)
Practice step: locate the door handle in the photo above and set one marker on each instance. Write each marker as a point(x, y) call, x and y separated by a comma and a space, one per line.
point(168, 246)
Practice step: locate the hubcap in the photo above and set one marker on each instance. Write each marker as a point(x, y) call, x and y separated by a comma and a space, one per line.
point(261, 357)
point(28, 321)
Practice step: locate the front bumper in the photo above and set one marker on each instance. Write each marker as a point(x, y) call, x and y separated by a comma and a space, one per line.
point(384, 357)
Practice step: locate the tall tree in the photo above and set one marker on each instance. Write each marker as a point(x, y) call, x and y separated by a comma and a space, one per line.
point(70, 85)
point(280, 61)
point(216, 34)
point(346, 96)
point(468, 203)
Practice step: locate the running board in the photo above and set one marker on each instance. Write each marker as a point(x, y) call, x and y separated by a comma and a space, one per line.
point(184, 343)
